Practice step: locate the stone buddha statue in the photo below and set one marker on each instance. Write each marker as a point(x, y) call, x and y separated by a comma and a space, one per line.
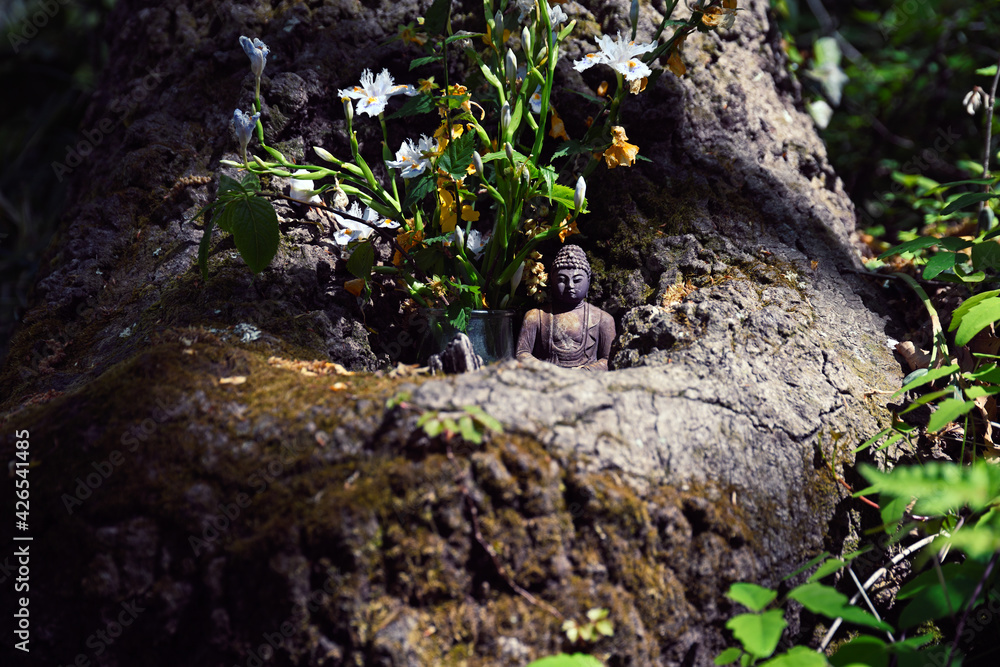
point(569, 332)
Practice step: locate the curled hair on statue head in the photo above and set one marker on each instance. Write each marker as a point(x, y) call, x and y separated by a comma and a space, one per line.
point(571, 257)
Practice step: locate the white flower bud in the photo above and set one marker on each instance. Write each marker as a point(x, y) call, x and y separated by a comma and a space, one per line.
point(477, 162)
point(505, 117)
point(325, 154)
point(580, 195)
point(510, 66)
point(526, 39)
point(348, 109)
point(510, 151)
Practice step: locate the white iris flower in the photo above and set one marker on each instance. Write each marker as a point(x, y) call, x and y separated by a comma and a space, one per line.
point(621, 55)
point(352, 230)
point(374, 92)
point(413, 160)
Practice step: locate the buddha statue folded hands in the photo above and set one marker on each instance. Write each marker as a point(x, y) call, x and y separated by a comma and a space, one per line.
point(570, 333)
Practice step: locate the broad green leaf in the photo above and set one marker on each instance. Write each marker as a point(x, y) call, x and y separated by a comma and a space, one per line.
point(362, 260)
point(939, 263)
point(437, 18)
point(980, 316)
point(863, 650)
point(948, 411)
point(457, 157)
point(987, 71)
point(564, 660)
point(830, 602)
point(981, 540)
point(910, 246)
point(986, 255)
point(420, 187)
point(892, 511)
point(250, 182)
point(483, 418)
point(929, 601)
point(972, 393)
point(966, 200)
point(967, 305)
point(797, 656)
point(927, 378)
point(414, 106)
point(759, 633)
point(255, 230)
point(728, 656)
point(229, 186)
point(468, 430)
point(988, 373)
point(751, 596)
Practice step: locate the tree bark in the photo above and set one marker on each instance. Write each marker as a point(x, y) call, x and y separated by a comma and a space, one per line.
point(303, 515)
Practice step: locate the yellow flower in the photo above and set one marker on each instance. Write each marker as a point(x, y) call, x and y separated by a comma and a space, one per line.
point(558, 129)
point(620, 152)
point(441, 134)
point(407, 240)
point(674, 61)
point(426, 85)
point(488, 37)
point(408, 33)
point(724, 16)
point(568, 230)
point(355, 286)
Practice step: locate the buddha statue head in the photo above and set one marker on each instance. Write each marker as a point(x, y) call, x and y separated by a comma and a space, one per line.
point(571, 277)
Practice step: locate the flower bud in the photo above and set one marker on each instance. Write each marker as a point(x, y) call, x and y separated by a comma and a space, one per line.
point(510, 151)
point(348, 109)
point(580, 195)
point(510, 67)
point(459, 236)
point(477, 162)
point(515, 279)
point(505, 117)
point(325, 154)
point(526, 40)
point(633, 17)
point(498, 20)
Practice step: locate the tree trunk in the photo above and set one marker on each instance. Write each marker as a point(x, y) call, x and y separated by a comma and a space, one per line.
point(179, 516)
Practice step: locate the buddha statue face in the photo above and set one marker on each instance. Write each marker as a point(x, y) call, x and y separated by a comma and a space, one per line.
point(571, 286)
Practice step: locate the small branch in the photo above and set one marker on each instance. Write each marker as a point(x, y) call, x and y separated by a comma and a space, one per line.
point(990, 101)
point(878, 574)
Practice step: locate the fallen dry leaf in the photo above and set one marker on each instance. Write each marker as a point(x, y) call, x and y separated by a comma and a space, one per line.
point(915, 357)
point(235, 379)
point(309, 368)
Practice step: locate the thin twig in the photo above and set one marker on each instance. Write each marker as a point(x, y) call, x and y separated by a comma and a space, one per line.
point(990, 101)
point(868, 601)
point(878, 574)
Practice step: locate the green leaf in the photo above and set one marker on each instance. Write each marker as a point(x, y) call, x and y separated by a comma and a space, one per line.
point(420, 187)
point(483, 418)
point(977, 318)
point(362, 260)
point(959, 313)
point(728, 656)
point(468, 430)
point(927, 378)
point(571, 147)
point(751, 596)
point(986, 255)
point(563, 660)
point(420, 62)
point(987, 71)
point(819, 558)
point(940, 263)
point(457, 157)
point(436, 20)
point(966, 200)
point(939, 487)
point(863, 650)
point(827, 568)
point(830, 602)
point(929, 601)
point(229, 186)
point(414, 106)
point(798, 656)
point(255, 230)
point(910, 246)
point(759, 633)
point(204, 247)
